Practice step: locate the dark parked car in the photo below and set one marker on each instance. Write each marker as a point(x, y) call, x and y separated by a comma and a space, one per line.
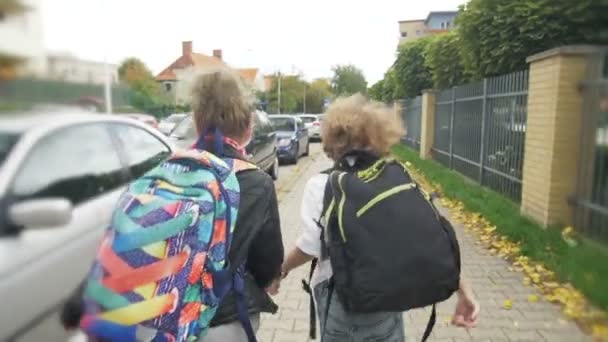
point(262, 149)
point(292, 137)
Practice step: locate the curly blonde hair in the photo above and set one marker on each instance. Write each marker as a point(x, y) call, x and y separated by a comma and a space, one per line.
point(357, 123)
point(220, 100)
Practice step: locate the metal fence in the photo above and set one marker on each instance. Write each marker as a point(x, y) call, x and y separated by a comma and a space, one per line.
point(25, 92)
point(591, 200)
point(480, 131)
point(411, 114)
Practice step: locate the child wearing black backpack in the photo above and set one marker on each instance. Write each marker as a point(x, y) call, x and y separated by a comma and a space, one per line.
point(378, 245)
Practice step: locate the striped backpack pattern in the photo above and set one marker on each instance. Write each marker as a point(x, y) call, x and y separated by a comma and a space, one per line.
point(162, 266)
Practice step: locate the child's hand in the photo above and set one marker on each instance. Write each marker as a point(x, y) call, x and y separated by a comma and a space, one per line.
point(273, 289)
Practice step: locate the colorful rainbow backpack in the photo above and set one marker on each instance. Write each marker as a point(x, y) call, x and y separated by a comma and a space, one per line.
point(162, 266)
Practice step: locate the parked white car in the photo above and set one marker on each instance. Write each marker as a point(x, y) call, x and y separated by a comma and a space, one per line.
point(313, 124)
point(60, 176)
point(168, 124)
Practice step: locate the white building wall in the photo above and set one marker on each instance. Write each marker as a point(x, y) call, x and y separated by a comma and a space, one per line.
point(259, 84)
point(21, 35)
point(71, 69)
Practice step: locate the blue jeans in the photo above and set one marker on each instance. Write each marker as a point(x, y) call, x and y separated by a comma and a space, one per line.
point(342, 326)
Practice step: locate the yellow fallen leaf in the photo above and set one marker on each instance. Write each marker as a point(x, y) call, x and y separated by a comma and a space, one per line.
point(535, 277)
point(507, 304)
point(532, 298)
point(568, 237)
point(599, 331)
point(550, 284)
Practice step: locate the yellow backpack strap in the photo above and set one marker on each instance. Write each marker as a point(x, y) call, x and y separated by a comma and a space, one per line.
point(372, 172)
point(241, 165)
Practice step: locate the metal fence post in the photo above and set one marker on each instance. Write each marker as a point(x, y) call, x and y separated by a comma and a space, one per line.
point(484, 115)
point(452, 127)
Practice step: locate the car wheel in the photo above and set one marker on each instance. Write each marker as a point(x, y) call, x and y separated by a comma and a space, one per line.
point(307, 152)
point(274, 169)
point(296, 155)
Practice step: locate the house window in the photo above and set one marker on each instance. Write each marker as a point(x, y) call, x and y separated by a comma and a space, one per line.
point(403, 34)
point(442, 25)
point(168, 86)
point(418, 32)
point(447, 25)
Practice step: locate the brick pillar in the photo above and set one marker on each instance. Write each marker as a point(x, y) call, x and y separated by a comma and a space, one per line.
point(427, 123)
point(553, 133)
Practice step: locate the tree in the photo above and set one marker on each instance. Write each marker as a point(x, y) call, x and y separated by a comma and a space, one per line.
point(145, 90)
point(292, 94)
point(316, 93)
point(9, 65)
point(348, 80)
point(444, 60)
point(13, 7)
point(136, 74)
point(376, 91)
point(411, 73)
point(498, 35)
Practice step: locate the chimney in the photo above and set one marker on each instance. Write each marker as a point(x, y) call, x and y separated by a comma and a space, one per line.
point(217, 54)
point(186, 48)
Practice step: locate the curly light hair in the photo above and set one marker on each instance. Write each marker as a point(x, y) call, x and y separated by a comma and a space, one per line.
point(357, 123)
point(220, 100)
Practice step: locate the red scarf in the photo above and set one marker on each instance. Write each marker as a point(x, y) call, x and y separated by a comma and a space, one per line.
point(228, 141)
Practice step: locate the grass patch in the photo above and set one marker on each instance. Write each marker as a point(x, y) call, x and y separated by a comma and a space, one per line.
point(584, 266)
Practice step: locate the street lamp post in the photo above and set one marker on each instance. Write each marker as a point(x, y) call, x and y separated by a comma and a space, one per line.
point(279, 94)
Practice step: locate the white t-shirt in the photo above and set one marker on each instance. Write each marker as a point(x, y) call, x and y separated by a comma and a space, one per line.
point(309, 240)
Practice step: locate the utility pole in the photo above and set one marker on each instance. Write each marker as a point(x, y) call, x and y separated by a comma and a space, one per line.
point(108, 87)
point(304, 99)
point(279, 94)
point(108, 77)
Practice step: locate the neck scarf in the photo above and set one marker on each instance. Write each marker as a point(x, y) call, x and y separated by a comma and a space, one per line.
point(228, 141)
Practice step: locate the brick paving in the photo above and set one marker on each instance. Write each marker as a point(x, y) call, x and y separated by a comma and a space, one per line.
point(491, 279)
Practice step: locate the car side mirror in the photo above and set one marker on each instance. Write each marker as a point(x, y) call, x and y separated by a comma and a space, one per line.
point(41, 213)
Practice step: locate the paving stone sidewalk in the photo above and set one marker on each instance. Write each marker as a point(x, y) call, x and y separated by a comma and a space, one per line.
point(491, 279)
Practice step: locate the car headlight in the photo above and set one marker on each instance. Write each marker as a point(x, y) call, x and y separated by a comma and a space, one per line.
point(283, 142)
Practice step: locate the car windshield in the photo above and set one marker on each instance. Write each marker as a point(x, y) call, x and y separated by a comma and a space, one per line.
point(283, 124)
point(308, 119)
point(7, 141)
point(185, 129)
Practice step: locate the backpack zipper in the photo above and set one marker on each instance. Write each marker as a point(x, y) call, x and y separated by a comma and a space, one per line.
point(384, 195)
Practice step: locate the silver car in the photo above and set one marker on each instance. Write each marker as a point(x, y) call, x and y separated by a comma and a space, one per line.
point(60, 176)
point(168, 124)
point(313, 124)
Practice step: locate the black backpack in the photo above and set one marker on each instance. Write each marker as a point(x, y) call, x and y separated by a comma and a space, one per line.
point(389, 247)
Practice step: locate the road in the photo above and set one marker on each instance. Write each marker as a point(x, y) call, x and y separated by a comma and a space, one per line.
point(492, 281)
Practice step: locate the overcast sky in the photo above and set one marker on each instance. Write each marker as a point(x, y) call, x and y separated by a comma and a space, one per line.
point(307, 36)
